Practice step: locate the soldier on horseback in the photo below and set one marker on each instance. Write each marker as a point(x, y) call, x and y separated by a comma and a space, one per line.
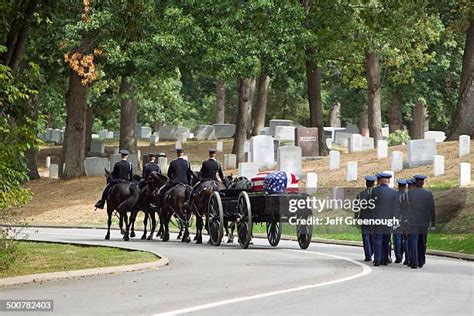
point(123, 170)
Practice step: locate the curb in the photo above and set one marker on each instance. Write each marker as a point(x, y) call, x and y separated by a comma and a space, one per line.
point(61, 275)
point(432, 252)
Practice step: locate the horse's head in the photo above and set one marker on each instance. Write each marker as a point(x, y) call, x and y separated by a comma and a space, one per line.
point(228, 181)
point(107, 175)
point(195, 177)
point(158, 179)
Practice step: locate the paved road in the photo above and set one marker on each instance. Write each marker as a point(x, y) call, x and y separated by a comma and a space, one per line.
point(205, 280)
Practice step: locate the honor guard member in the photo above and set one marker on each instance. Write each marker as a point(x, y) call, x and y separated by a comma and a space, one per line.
point(179, 171)
point(211, 167)
point(397, 236)
point(404, 208)
point(421, 215)
point(411, 183)
point(150, 166)
point(123, 170)
point(366, 213)
point(386, 208)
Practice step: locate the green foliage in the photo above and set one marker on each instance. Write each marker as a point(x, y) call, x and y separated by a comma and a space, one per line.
point(398, 138)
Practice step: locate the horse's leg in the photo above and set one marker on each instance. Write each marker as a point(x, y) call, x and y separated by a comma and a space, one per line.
point(199, 224)
point(231, 236)
point(145, 223)
point(121, 224)
point(153, 224)
point(133, 217)
point(109, 222)
point(166, 219)
point(159, 233)
point(127, 226)
point(180, 226)
point(186, 230)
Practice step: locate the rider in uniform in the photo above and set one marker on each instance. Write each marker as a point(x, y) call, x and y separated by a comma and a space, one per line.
point(397, 234)
point(151, 166)
point(179, 171)
point(123, 170)
point(209, 170)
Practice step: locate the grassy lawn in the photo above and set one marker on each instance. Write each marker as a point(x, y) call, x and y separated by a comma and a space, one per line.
point(37, 257)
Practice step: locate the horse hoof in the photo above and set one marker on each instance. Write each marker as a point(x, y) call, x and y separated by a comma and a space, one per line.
point(122, 232)
point(150, 237)
point(195, 238)
point(199, 241)
point(186, 239)
point(107, 237)
point(179, 237)
point(143, 237)
point(166, 238)
point(125, 238)
point(132, 234)
point(230, 241)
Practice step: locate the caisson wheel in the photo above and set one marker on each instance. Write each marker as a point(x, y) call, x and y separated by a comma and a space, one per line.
point(216, 219)
point(244, 220)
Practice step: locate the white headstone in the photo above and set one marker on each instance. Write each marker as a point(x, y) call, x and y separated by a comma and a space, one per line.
point(438, 165)
point(351, 171)
point(248, 169)
point(334, 159)
point(285, 133)
point(230, 161)
point(341, 138)
point(275, 122)
point(311, 182)
point(97, 146)
point(464, 145)
point(420, 152)
point(205, 132)
point(178, 145)
point(355, 143)
point(385, 132)
point(154, 140)
point(94, 166)
point(289, 159)
point(171, 132)
point(110, 135)
point(48, 161)
point(438, 136)
point(182, 137)
point(163, 163)
point(262, 150)
point(103, 134)
point(145, 132)
point(224, 130)
point(48, 134)
point(53, 171)
point(329, 143)
point(392, 179)
point(220, 146)
point(397, 161)
point(382, 149)
point(464, 174)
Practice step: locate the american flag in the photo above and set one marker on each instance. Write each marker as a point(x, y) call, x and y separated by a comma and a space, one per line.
point(257, 181)
point(280, 181)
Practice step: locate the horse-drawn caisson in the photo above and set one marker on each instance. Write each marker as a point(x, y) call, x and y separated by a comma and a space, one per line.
point(215, 204)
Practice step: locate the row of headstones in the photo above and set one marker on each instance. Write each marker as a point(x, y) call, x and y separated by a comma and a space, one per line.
point(52, 135)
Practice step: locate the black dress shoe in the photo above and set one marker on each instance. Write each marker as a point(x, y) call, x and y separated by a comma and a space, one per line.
point(376, 264)
point(367, 259)
point(413, 267)
point(420, 266)
point(384, 263)
point(405, 262)
point(398, 261)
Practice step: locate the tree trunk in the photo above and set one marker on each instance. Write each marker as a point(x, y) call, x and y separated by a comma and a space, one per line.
point(89, 123)
point(251, 98)
point(364, 120)
point(395, 112)
point(373, 84)
point(74, 138)
point(128, 117)
point(158, 124)
point(335, 115)
point(462, 120)
point(244, 103)
point(313, 78)
point(220, 102)
point(32, 151)
point(261, 104)
point(418, 122)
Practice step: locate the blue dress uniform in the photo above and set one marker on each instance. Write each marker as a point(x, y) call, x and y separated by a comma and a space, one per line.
point(150, 167)
point(421, 216)
point(179, 171)
point(123, 170)
point(404, 209)
point(210, 168)
point(398, 237)
point(386, 207)
point(367, 213)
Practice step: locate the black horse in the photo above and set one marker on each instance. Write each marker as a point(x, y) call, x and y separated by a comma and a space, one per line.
point(199, 204)
point(235, 183)
point(122, 198)
point(146, 198)
point(173, 205)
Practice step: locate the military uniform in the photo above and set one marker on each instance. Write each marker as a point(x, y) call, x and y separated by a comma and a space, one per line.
point(421, 216)
point(367, 213)
point(209, 170)
point(123, 170)
point(150, 167)
point(397, 233)
point(179, 171)
point(386, 207)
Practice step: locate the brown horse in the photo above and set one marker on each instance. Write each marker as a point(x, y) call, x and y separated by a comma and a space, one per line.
point(199, 204)
point(122, 198)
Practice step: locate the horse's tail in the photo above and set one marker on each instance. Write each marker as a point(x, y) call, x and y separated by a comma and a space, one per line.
point(128, 203)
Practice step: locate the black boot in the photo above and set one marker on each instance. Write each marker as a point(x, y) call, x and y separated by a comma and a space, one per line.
point(100, 204)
